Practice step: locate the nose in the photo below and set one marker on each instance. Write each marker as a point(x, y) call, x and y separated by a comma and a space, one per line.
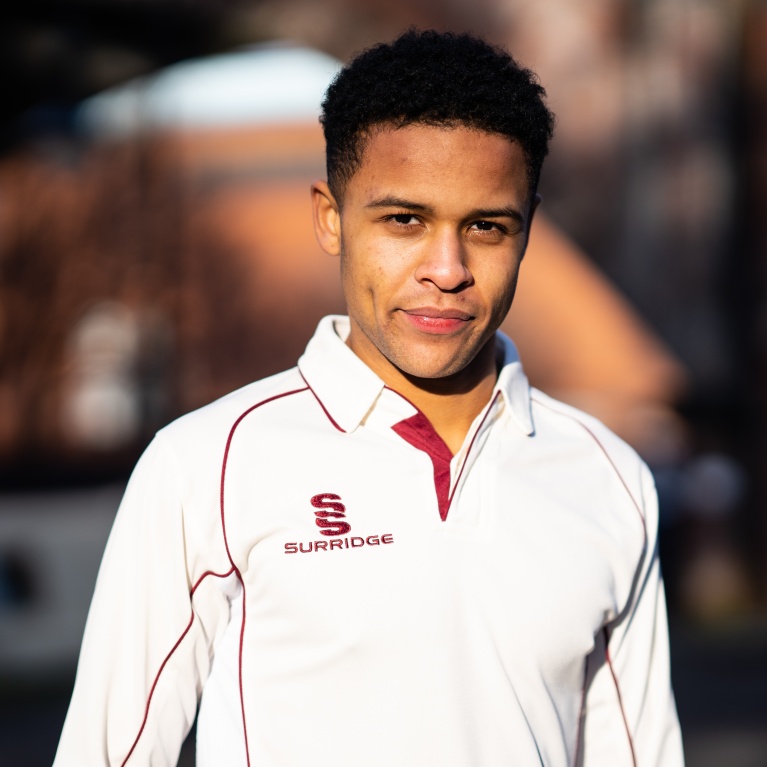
point(444, 262)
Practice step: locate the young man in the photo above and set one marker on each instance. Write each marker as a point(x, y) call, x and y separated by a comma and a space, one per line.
point(396, 553)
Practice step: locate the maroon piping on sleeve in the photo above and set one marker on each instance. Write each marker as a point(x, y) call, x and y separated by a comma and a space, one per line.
point(620, 700)
point(168, 657)
point(226, 542)
point(581, 714)
point(607, 456)
point(644, 530)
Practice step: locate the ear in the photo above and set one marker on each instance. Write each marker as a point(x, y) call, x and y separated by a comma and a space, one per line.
point(327, 218)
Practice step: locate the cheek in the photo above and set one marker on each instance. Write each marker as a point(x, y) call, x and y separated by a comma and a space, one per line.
point(498, 284)
point(373, 271)
point(361, 277)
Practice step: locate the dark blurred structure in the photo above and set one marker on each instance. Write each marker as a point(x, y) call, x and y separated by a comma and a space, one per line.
point(131, 292)
point(748, 276)
point(132, 274)
point(57, 53)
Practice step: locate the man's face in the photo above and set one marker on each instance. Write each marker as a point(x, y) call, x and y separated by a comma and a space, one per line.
point(431, 234)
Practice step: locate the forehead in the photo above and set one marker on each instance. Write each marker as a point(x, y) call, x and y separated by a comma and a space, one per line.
point(430, 161)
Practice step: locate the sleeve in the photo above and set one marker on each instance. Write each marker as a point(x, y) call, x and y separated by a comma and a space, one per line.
point(150, 632)
point(629, 711)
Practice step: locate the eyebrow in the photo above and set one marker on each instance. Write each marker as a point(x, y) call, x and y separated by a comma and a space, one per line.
point(398, 202)
point(508, 212)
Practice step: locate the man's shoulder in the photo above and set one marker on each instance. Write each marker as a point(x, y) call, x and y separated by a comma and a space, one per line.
point(588, 426)
point(215, 420)
point(558, 421)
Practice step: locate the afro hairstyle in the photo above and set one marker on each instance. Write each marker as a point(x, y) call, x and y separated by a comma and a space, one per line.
point(432, 78)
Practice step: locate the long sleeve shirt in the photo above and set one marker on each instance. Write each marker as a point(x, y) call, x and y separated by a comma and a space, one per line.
point(307, 561)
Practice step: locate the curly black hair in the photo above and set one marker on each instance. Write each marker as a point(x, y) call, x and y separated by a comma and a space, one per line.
point(432, 78)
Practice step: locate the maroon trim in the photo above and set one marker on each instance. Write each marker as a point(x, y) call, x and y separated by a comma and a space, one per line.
point(607, 456)
point(620, 700)
point(168, 657)
point(471, 444)
point(229, 553)
point(226, 457)
point(644, 530)
point(239, 672)
point(419, 432)
point(322, 405)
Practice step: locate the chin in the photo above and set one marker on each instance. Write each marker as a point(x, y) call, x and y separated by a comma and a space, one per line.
point(434, 370)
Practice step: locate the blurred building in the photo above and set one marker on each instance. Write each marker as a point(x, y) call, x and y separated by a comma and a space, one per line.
point(156, 251)
point(179, 260)
point(170, 222)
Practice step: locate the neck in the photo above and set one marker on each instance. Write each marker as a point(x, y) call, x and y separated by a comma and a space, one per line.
point(452, 403)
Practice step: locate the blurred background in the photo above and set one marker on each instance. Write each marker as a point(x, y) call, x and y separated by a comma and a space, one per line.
point(156, 251)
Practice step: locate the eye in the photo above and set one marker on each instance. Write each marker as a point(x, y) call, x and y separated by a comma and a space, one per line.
point(404, 219)
point(487, 232)
point(487, 226)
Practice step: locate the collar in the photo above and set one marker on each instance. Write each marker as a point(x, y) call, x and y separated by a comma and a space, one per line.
point(348, 389)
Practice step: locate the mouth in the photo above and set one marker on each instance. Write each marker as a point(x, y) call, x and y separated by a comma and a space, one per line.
point(430, 319)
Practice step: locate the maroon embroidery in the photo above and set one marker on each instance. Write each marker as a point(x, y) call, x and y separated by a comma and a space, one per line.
point(330, 501)
point(338, 543)
point(333, 528)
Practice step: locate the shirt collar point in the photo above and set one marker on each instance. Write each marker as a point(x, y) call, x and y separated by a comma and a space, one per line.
point(345, 387)
point(514, 386)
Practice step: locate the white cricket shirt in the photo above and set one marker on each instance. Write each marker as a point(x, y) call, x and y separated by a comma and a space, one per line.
point(306, 555)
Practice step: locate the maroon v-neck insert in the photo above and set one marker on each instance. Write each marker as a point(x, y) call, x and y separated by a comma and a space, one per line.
point(418, 431)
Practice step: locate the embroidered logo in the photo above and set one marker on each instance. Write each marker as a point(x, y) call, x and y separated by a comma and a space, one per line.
point(330, 517)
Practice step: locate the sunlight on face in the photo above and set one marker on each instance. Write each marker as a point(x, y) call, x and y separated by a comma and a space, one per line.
point(433, 229)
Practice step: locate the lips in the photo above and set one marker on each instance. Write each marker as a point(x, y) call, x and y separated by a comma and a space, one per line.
point(430, 319)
